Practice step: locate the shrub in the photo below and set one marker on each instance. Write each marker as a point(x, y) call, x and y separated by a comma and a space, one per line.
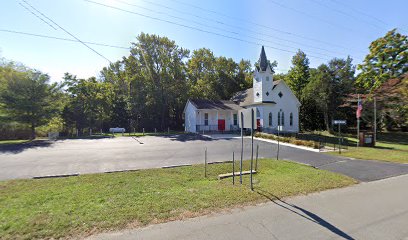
point(291, 140)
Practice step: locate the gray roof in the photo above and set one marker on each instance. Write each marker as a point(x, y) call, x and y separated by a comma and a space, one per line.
point(246, 97)
point(263, 62)
point(215, 104)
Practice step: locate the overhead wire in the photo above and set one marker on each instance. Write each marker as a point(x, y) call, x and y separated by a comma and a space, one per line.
point(63, 39)
point(228, 25)
point(260, 25)
point(196, 28)
point(67, 32)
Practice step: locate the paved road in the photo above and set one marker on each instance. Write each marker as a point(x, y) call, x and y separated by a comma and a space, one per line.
point(44, 158)
point(375, 210)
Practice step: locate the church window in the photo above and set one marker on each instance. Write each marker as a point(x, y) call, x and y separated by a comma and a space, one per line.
point(291, 119)
point(235, 119)
point(270, 119)
point(206, 119)
point(267, 78)
point(279, 118)
point(280, 94)
point(267, 93)
point(257, 94)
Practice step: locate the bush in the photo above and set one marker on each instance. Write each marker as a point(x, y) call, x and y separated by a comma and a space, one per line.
point(291, 140)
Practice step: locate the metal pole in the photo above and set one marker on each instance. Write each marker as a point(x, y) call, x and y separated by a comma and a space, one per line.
point(252, 147)
point(339, 139)
point(242, 147)
point(205, 162)
point(375, 120)
point(233, 168)
point(256, 159)
point(358, 124)
point(143, 131)
point(277, 152)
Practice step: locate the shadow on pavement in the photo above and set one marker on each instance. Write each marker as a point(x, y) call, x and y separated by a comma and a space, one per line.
point(305, 214)
point(186, 137)
point(20, 147)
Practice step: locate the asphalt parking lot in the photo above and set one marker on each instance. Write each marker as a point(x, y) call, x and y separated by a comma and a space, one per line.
point(80, 156)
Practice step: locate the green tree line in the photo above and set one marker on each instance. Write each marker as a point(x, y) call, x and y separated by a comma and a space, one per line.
point(149, 87)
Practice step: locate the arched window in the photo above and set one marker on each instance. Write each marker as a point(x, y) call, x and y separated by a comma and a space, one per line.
point(291, 119)
point(270, 119)
point(283, 119)
point(279, 118)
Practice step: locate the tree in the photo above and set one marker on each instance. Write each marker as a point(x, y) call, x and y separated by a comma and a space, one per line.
point(28, 98)
point(298, 78)
point(329, 85)
point(298, 75)
point(388, 58)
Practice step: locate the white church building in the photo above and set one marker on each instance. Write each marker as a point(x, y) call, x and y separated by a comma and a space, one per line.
point(274, 101)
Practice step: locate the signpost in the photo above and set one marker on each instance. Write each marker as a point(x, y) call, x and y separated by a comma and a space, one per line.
point(247, 120)
point(339, 123)
point(280, 128)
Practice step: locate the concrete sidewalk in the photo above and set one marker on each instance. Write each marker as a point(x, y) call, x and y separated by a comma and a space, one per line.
point(375, 210)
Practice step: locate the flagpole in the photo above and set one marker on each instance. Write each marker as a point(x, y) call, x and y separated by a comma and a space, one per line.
point(358, 123)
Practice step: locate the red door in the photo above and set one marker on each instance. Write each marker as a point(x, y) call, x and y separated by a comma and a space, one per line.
point(258, 124)
point(221, 125)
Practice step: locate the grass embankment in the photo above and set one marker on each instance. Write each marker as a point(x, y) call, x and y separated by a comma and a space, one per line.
point(11, 142)
point(79, 206)
point(390, 147)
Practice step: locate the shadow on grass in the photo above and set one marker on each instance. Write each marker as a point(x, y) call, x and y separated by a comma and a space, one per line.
point(20, 147)
point(305, 214)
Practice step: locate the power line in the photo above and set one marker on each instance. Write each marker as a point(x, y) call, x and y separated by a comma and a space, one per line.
point(226, 30)
point(344, 13)
point(67, 32)
point(363, 13)
point(259, 25)
point(196, 28)
point(359, 11)
point(33, 13)
point(62, 39)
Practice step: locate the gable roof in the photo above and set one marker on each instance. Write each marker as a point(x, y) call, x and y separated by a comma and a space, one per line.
point(246, 97)
point(215, 104)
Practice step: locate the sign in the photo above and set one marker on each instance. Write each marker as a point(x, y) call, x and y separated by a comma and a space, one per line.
point(341, 122)
point(247, 118)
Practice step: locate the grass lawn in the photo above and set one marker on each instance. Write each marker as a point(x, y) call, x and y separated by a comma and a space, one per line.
point(390, 147)
point(79, 206)
point(10, 142)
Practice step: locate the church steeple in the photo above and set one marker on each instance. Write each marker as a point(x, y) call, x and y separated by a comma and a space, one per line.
point(263, 79)
point(263, 62)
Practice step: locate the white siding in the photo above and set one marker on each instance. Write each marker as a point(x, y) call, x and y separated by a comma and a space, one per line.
point(190, 120)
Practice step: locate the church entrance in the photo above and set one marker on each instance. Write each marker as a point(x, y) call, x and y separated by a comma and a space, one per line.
point(221, 125)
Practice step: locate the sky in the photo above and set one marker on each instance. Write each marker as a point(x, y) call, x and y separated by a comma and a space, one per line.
point(323, 29)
